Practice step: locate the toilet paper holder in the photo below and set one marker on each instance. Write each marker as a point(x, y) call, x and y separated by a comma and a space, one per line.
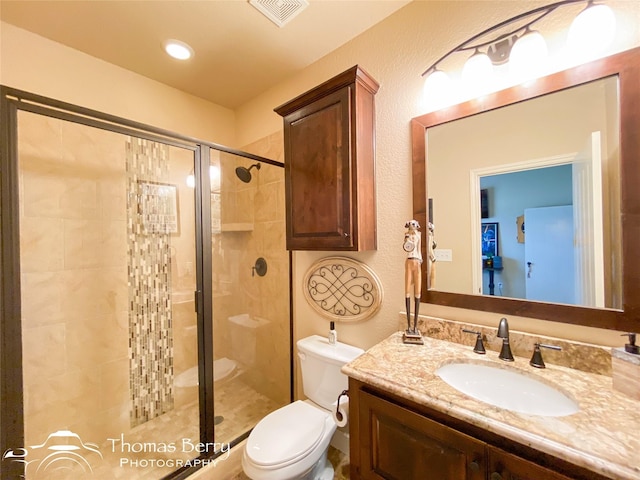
point(338, 412)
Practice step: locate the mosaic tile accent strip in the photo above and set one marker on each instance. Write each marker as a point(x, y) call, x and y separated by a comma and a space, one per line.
point(149, 281)
point(342, 289)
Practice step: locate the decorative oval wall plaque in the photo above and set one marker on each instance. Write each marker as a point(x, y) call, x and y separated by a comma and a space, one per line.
point(342, 289)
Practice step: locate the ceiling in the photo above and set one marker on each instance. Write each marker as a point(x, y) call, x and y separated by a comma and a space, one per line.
point(239, 52)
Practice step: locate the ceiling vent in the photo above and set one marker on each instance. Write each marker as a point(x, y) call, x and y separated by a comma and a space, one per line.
point(280, 11)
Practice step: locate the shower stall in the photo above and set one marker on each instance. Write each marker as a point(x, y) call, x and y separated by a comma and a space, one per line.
point(145, 295)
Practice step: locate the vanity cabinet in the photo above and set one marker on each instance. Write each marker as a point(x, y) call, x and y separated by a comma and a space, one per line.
point(505, 466)
point(396, 443)
point(394, 439)
point(330, 165)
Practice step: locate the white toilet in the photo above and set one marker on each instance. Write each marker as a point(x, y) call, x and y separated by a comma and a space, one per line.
point(292, 442)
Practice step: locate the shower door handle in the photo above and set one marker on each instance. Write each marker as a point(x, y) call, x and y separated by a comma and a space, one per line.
point(196, 300)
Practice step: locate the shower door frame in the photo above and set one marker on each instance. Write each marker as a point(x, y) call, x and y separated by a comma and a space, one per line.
point(12, 409)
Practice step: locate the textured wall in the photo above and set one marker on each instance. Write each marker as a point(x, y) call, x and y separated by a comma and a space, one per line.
point(395, 52)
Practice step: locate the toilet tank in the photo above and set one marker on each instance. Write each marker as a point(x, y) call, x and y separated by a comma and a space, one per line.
point(320, 364)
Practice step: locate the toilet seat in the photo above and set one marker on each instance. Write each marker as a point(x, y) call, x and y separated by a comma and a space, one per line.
point(286, 435)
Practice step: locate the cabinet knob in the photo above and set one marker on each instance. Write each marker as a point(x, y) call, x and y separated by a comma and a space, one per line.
point(474, 467)
point(346, 234)
point(495, 476)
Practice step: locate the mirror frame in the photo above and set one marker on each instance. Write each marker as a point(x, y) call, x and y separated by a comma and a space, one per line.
point(626, 66)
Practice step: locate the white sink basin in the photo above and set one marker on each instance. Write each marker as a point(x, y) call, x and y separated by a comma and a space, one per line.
point(508, 389)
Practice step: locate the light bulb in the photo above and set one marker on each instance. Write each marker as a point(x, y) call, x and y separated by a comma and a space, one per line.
point(592, 31)
point(437, 90)
point(527, 56)
point(437, 82)
point(191, 181)
point(477, 73)
point(214, 177)
point(178, 49)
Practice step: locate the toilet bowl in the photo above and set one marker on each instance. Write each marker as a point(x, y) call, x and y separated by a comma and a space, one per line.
point(291, 443)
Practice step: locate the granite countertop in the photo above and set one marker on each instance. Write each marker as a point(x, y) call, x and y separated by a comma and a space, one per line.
point(603, 436)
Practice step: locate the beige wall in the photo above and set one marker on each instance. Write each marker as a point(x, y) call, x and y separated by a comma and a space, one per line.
point(395, 52)
point(35, 64)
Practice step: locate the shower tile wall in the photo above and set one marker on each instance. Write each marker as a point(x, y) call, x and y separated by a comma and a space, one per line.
point(253, 225)
point(74, 293)
point(74, 301)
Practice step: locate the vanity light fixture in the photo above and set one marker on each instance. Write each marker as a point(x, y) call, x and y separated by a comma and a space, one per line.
point(178, 50)
point(191, 180)
point(477, 73)
point(528, 55)
point(592, 31)
point(214, 178)
point(516, 43)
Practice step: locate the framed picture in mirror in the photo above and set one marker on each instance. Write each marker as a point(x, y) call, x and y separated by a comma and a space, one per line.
point(489, 240)
point(484, 203)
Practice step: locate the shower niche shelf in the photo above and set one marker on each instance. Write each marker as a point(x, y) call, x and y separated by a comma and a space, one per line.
point(330, 165)
point(236, 227)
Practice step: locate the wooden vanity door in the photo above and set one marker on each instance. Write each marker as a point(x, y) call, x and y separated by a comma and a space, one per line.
point(398, 444)
point(505, 466)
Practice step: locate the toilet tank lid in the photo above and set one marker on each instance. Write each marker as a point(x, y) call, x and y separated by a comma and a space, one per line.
point(339, 353)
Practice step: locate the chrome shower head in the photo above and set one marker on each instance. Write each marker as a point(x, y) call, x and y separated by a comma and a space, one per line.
point(244, 173)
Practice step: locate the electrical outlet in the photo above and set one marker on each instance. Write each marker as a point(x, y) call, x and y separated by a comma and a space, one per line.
point(443, 255)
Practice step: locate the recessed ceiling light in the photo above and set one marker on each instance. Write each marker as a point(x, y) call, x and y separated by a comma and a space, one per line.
point(178, 49)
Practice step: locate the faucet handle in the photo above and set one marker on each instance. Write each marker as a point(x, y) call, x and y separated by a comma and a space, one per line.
point(631, 347)
point(479, 347)
point(536, 358)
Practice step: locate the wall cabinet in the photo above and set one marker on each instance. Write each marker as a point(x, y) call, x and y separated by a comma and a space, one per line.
point(393, 440)
point(330, 165)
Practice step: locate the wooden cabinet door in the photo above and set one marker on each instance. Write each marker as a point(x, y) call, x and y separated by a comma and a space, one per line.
point(398, 444)
point(505, 466)
point(318, 175)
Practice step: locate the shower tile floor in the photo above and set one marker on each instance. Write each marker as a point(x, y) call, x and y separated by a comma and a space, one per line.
point(240, 406)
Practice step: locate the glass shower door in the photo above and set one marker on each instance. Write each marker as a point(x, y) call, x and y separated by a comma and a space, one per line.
point(109, 330)
point(250, 290)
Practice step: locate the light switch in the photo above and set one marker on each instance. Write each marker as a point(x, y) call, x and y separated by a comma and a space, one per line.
point(443, 255)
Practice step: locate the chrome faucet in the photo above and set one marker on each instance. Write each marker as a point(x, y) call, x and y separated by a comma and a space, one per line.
point(503, 333)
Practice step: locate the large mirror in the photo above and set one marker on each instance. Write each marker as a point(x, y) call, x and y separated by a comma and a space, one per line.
point(552, 164)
